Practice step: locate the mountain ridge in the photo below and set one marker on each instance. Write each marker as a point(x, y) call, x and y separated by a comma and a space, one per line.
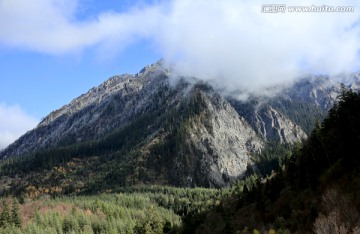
point(210, 140)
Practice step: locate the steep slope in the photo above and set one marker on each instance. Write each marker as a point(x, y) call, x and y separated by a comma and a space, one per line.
point(113, 104)
point(210, 147)
point(317, 191)
point(271, 124)
point(284, 118)
point(146, 128)
point(134, 130)
point(290, 115)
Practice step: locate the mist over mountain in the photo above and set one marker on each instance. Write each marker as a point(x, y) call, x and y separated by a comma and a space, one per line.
point(315, 191)
point(179, 131)
point(273, 164)
point(249, 123)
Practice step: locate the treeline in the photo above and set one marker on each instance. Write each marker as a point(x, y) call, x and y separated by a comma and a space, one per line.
point(145, 209)
point(118, 213)
point(191, 204)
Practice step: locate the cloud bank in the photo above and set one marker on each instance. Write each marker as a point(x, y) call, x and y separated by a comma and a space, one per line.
point(14, 122)
point(229, 41)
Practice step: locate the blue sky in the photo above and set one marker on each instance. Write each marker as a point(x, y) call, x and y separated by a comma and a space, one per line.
point(52, 51)
point(40, 82)
point(34, 83)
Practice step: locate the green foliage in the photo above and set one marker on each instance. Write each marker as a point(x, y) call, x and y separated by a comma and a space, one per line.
point(272, 157)
point(151, 224)
point(123, 157)
point(302, 113)
point(70, 224)
point(141, 209)
point(125, 212)
point(287, 200)
point(296, 198)
point(332, 146)
point(15, 215)
point(5, 218)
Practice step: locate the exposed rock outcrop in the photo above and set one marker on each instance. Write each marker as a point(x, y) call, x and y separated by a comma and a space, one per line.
point(205, 139)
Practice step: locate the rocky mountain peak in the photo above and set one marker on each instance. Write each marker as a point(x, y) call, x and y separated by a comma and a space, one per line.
point(183, 133)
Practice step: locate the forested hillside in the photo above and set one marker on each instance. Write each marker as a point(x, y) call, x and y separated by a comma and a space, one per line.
point(155, 127)
point(151, 209)
point(317, 190)
point(271, 170)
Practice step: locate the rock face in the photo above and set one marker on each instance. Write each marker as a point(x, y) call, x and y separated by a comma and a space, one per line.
point(320, 90)
point(274, 126)
point(269, 122)
point(213, 144)
point(290, 115)
point(191, 135)
point(223, 144)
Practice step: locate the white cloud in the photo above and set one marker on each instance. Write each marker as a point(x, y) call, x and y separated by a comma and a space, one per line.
point(50, 26)
point(14, 122)
point(230, 41)
point(240, 47)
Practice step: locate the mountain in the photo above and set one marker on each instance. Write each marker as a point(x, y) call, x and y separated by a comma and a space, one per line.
point(155, 127)
point(294, 109)
point(316, 191)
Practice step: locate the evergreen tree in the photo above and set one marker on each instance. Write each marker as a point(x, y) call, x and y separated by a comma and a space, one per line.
point(151, 225)
point(5, 215)
point(15, 214)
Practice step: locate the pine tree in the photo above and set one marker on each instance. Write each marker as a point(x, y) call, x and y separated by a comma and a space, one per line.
point(15, 214)
point(151, 225)
point(5, 215)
